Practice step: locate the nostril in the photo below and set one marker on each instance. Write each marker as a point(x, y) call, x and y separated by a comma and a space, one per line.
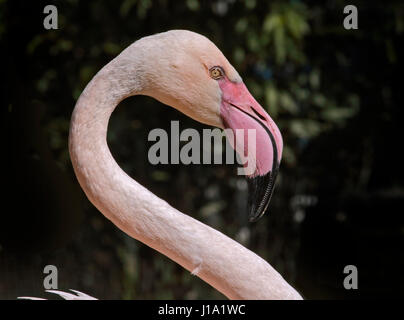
point(258, 114)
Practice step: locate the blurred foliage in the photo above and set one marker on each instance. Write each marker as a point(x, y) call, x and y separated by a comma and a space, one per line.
point(332, 92)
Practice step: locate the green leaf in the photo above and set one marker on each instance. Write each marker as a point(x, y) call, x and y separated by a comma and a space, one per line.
point(241, 25)
point(271, 99)
point(272, 22)
point(305, 128)
point(314, 79)
point(279, 43)
point(192, 5)
point(338, 114)
point(288, 103)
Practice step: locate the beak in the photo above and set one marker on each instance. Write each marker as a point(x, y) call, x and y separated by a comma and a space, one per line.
point(263, 150)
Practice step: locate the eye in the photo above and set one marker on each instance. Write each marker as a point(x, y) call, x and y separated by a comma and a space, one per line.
point(216, 73)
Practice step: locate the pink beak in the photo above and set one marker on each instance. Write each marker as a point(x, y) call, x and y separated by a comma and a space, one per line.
point(239, 110)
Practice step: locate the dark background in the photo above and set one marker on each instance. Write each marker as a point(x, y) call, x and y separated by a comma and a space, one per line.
point(335, 94)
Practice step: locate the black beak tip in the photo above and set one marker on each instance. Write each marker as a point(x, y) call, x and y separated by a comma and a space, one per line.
point(254, 217)
point(260, 189)
point(255, 211)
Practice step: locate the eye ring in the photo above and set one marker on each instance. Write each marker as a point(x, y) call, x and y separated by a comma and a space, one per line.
point(216, 72)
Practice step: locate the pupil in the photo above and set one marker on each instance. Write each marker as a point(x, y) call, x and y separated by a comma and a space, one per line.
point(216, 73)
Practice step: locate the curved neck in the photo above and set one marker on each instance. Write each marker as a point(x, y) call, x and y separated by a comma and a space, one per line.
point(223, 263)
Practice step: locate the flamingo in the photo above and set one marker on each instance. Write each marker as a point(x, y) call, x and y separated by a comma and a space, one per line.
point(187, 71)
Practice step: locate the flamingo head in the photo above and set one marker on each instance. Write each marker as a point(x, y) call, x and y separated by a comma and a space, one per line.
point(187, 71)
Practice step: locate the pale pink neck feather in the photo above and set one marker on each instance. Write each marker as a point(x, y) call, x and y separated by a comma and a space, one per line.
point(220, 261)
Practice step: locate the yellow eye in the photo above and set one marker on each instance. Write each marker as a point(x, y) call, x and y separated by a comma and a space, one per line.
point(216, 73)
